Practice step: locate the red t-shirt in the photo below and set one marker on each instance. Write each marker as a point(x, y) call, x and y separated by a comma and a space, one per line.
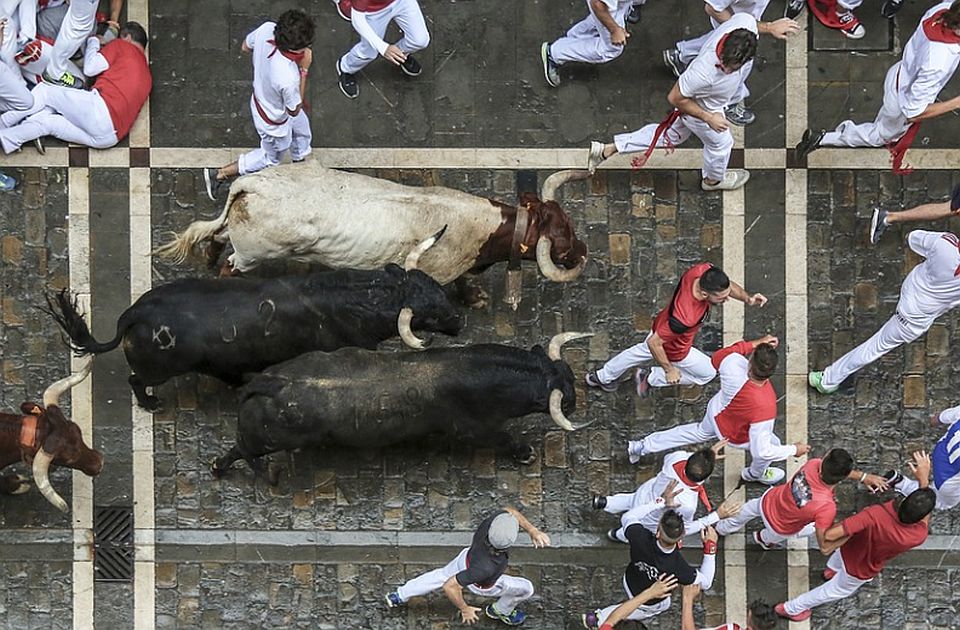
point(370, 6)
point(125, 85)
point(877, 536)
point(751, 403)
point(805, 499)
point(687, 310)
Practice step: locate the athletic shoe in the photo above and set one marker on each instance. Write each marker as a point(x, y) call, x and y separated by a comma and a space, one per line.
point(66, 79)
point(348, 83)
point(800, 617)
point(642, 378)
point(634, 16)
point(890, 8)
point(794, 8)
point(595, 156)
point(591, 620)
point(393, 599)
point(551, 71)
point(771, 476)
point(734, 178)
point(411, 67)
point(612, 536)
point(763, 545)
point(739, 115)
point(344, 8)
point(850, 25)
point(815, 379)
point(211, 183)
point(878, 225)
point(671, 59)
point(809, 143)
point(893, 477)
point(829, 574)
point(598, 502)
point(515, 618)
point(38, 145)
point(635, 450)
point(594, 381)
point(8, 183)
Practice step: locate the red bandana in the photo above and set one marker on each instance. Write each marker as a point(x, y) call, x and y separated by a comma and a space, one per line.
point(292, 56)
point(680, 469)
point(665, 124)
point(723, 40)
point(935, 31)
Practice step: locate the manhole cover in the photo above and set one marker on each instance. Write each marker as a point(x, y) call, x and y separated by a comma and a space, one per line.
point(113, 544)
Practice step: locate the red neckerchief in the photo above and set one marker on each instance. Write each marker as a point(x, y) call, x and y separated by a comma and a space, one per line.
point(292, 56)
point(680, 469)
point(899, 148)
point(28, 432)
point(665, 124)
point(723, 40)
point(935, 31)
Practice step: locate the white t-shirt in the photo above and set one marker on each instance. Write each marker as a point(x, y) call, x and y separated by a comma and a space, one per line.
point(933, 287)
point(926, 68)
point(276, 79)
point(752, 7)
point(707, 84)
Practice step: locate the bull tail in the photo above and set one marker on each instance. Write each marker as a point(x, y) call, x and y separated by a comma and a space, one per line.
point(65, 312)
point(184, 245)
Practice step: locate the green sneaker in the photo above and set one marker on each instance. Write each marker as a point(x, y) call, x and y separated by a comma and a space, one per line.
point(816, 381)
point(64, 80)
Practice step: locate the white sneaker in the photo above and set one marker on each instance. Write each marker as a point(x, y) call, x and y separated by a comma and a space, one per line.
point(595, 157)
point(635, 451)
point(734, 178)
point(770, 477)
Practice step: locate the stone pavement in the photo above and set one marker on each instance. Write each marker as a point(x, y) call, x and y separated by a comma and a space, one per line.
point(341, 527)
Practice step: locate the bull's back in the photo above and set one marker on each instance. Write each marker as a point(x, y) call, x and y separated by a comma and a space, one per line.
point(346, 220)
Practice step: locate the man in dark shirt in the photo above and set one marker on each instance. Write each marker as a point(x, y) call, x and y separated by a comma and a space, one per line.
point(480, 569)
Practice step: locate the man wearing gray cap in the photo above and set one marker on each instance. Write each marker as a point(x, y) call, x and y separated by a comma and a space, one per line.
point(480, 569)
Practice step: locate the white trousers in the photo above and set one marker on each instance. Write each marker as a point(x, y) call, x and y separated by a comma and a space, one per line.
point(632, 508)
point(896, 332)
point(408, 17)
point(754, 509)
point(842, 585)
point(509, 590)
point(716, 145)
point(642, 612)
point(72, 115)
point(295, 137)
point(695, 368)
point(77, 25)
point(948, 495)
point(704, 431)
point(889, 125)
point(14, 94)
point(588, 41)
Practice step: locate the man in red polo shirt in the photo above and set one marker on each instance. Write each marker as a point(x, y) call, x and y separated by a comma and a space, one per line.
point(670, 343)
point(866, 542)
point(99, 118)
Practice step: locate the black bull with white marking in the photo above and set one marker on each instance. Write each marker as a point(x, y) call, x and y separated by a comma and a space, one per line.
point(233, 326)
point(365, 399)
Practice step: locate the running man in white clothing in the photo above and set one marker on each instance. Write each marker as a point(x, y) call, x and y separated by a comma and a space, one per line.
point(598, 38)
point(882, 219)
point(743, 412)
point(910, 90)
point(714, 80)
point(281, 61)
point(944, 461)
point(929, 291)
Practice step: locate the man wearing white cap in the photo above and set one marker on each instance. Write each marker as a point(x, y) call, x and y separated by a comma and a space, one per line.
point(480, 569)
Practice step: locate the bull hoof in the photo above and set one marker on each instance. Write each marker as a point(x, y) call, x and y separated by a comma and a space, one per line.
point(218, 469)
point(151, 404)
point(525, 455)
point(273, 474)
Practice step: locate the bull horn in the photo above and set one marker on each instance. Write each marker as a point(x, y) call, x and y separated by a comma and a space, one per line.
point(52, 394)
point(556, 412)
point(548, 192)
point(557, 341)
point(406, 333)
point(413, 258)
point(550, 269)
point(41, 468)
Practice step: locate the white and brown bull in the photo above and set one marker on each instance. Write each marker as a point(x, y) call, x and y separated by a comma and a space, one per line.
point(344, 220)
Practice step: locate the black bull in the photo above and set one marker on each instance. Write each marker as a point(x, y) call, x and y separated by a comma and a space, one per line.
point(233, 326)
point(368, 399)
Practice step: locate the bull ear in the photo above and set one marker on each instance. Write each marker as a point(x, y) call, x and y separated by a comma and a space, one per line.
point(31, 408)
point(538, 349)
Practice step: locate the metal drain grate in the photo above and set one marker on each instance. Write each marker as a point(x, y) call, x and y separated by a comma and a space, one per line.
point(113, 544)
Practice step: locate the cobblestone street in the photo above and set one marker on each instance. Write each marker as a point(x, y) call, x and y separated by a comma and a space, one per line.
point(343, 526)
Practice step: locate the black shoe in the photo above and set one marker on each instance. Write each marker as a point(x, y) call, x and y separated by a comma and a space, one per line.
point(672, 60)
point(878, 225)
point(348, 83)
point(411, 67)
point(890, 8)
point(599, 502)
point(794, 8)
point(809, 143)
point(633, 17)
point(893, 477)
point(212, 184)
point(612, 536)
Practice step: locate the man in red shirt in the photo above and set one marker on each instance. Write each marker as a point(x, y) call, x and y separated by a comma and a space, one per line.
point(743, 412)
point(670, 343)
point(863, 543)
point(803, 507)
point(99, 118)
point(760, 615)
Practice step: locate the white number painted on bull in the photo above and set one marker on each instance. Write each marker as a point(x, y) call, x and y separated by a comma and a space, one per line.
point(270, 310)
point(164, 339)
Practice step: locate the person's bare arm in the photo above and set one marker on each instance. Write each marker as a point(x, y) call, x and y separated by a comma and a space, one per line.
point(923, 212)
point(655, 343)
point(659, 589)
point(537, 537)
point(921, 467)
point(690, 593)
point(115, 7)
point(737, 292)
point(454, 592)
point(778, 29)
point(618, 34)
point(937, 109)
point(874, 483)
point(832, 539)
point(688, 106)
